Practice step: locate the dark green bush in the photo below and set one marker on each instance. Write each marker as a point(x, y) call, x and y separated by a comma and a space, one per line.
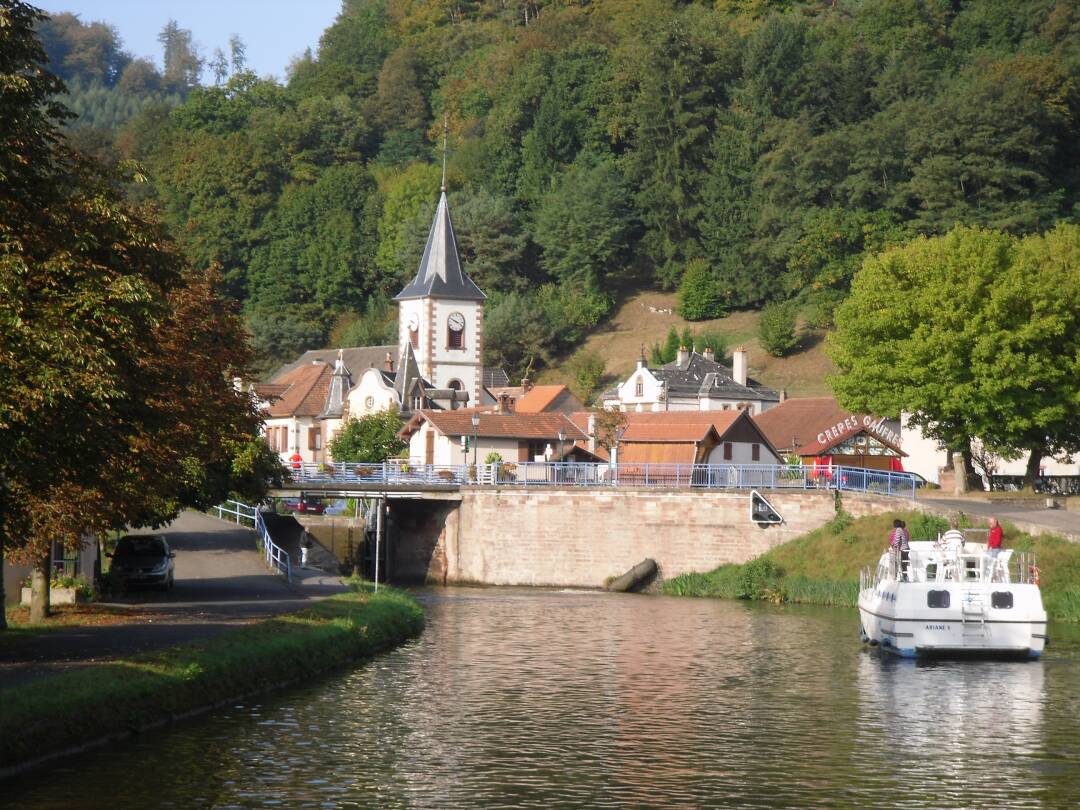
point(777, 329)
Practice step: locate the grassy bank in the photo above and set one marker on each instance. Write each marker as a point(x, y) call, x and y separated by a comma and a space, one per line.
point(77, 707)
point(822, 567)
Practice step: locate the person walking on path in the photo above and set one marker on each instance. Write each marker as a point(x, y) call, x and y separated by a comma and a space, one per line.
point(305, 548)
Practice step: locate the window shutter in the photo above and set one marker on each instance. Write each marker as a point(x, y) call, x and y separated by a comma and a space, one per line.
point(727, 451)
point(311, 439)
point(755, 452)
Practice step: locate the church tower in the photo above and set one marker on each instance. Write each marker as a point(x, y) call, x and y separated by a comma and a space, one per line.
point(441, 313)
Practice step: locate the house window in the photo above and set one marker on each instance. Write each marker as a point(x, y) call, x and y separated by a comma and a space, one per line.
point(755, 452)
point(639, 388)
point(314, 439)
point(455, 331)
point(414, 338)
point(456, 385)
point(727, 451)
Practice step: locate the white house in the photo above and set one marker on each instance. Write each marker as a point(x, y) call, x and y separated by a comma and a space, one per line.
point(692, 382)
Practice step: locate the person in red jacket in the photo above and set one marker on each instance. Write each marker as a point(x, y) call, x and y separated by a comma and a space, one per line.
point(993, 547)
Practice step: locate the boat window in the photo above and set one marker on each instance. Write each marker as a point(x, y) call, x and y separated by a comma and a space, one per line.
point(937, 599)
point(1001, 600)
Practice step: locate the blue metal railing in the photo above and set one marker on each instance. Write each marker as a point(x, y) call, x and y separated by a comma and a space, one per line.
point(577, 474)
point(275, 556)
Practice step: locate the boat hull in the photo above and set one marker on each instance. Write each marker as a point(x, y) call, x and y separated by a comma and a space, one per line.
point(923, 619)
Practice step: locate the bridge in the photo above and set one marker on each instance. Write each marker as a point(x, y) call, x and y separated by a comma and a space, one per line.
point(399, 479)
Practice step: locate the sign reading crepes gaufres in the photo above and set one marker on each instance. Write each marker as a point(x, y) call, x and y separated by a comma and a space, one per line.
point(853, 423)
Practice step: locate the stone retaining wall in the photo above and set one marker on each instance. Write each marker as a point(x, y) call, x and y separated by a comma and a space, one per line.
point(580, 538)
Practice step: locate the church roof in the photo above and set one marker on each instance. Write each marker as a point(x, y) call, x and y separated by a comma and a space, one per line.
point(440, 274)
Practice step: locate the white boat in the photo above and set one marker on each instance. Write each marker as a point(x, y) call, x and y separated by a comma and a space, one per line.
point(954, 601)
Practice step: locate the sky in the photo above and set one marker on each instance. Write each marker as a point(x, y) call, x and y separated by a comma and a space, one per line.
point(274, 31)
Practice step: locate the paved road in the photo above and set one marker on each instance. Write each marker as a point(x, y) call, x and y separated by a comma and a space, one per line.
point(1026, 518)
point(221, 582)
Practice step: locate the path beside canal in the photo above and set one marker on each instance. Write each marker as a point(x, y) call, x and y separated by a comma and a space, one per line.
point(221, 582)
point(1033, 519)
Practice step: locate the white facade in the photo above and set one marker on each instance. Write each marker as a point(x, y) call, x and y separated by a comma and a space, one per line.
point(743, 453)
point(927, 456)
point(446, 450)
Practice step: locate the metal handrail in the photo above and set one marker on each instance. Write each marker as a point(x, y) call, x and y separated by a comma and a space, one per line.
point(585, 474)
point(275, 556)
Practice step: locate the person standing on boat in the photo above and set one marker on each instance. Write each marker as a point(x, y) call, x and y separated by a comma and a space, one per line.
point(993, 545)
point(899, 542)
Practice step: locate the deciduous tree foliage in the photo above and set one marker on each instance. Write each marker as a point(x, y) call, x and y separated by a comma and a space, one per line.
point(975, 333)
point(116, 404)
point(371, 439)
point(602, 147)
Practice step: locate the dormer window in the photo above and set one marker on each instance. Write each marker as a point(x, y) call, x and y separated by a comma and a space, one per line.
point(455, 331)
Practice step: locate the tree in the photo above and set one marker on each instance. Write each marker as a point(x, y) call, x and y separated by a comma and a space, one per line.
point(699, 294)
point(115, 371)
point(776, 328)
point(370, 439)
point(585, 227)
point(183, 65)
point(237, 53)
point(587, 370)
point(975, 334)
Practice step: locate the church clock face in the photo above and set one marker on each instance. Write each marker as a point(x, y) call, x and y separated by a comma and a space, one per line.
point(413, 322)
point(456, 322)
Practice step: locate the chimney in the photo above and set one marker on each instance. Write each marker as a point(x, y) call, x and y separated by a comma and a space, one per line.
point(641, 357)
point(783, 395)
point(388, 363)
point(526, 384)
point(505, 404)
point(708, 354)
point(591, 430)
point(683, 357)
point(738, 365)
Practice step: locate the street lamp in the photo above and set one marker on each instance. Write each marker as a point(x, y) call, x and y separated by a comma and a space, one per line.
point(562, 438)
point(475, 435)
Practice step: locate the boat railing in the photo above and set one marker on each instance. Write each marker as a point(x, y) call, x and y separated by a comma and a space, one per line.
point(971, 564)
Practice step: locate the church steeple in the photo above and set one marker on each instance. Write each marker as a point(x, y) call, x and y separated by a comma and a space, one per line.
point(440, 274)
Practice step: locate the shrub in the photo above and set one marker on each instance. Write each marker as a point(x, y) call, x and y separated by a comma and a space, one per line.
point(760, 579)
point(927, 527)
point(777, 329)
point(492, 458)
point(699, 294)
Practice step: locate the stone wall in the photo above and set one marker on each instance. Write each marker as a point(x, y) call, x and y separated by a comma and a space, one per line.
point(580, 538)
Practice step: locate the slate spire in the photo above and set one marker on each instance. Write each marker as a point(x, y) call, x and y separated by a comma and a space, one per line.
point(440, 274)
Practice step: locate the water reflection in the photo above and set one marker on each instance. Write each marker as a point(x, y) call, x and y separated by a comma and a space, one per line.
point(519, 698)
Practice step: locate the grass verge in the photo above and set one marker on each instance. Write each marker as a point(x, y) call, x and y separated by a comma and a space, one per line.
point(822, 567)
point(74, 708)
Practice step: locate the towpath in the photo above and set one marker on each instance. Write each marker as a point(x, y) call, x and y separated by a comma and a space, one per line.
point(221, 582)
point(1028, 518)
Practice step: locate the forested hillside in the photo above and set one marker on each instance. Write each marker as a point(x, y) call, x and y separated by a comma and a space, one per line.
point(743, 151)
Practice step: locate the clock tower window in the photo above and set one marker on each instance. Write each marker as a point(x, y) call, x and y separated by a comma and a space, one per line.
point(413, 325)
point(455, 331)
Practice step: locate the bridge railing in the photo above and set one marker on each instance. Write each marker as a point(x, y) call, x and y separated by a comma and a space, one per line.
point(541, 473)
point(275, 556)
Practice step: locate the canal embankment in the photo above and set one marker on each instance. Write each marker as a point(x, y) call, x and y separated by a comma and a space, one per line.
point(822, 567)
point(63, 713)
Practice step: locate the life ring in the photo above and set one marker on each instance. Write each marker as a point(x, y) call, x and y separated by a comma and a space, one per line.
point(1035, 575)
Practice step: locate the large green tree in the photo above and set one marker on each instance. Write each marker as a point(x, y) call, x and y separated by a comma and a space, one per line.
point(976, 333)
point(370, 439)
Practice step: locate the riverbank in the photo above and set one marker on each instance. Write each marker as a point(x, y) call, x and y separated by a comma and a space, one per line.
point(60, 713)
point(822, 567)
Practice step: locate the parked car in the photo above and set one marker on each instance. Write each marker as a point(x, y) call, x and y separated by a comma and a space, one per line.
point(142, 559)
point(308, 505)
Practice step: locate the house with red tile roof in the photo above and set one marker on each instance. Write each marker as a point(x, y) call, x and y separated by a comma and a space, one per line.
point(440, 437)
point(820, 432)
point(694, 437)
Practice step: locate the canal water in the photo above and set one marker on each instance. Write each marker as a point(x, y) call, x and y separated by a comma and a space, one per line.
point(516, 698)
